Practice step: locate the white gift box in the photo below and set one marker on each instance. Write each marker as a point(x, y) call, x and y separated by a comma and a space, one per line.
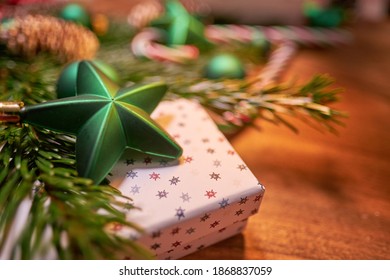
point(185, 205)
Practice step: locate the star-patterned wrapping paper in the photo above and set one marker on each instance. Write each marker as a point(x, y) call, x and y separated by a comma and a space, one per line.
point(199, 198)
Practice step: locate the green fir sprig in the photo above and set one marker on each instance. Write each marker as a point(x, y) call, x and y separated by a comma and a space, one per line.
point(64, 216)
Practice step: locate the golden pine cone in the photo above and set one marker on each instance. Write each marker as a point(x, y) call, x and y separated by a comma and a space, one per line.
point(32, 34)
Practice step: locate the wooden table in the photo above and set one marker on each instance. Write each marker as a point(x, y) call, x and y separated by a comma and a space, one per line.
point(327, 197)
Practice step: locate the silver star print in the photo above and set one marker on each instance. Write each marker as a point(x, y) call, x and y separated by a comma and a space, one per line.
point(224, 203)
point(185, 197)
point(180, 213)
point(162, 194)
point(131, 174)
point(135, 189)
point(174, 180)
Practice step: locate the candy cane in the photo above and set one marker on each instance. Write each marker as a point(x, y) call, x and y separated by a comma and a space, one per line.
point(287, 39)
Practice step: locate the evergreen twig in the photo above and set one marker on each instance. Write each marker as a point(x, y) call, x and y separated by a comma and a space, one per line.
point(64, 214)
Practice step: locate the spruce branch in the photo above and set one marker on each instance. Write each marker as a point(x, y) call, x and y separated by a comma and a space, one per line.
point(64, 216)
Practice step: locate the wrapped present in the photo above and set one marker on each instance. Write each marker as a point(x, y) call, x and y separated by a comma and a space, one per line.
point(186, 205)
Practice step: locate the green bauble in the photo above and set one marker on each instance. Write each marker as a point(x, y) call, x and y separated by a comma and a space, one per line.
point(106, 120)
point(75, 13)
point(224, 66)
point(323, 17)
point(107, 70)
point(66, 84)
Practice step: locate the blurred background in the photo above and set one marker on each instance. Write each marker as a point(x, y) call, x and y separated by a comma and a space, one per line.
point(261, 11)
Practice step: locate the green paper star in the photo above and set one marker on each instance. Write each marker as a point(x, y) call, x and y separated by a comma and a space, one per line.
point(182, 28)
point(106, 121)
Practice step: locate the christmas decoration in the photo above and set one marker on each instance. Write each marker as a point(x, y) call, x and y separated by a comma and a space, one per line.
point(316, 15)
point(191, 202)
point(251, 91)
point(182, 28)
point(32, 34)
point(67, 81)
point(224, 66)
point(107, 120)
point(44, 205)
point(40, 171)
point(75, 13)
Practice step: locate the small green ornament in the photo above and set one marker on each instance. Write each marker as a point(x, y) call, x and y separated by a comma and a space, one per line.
point(66, 84)
point(106, 120)
point(181, 27)
point(224, 66)
point(75, 13)
point(323, 17)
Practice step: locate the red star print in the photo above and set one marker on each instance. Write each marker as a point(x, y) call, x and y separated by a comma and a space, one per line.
point(187, 247)
point(221, 139)
point(210, 194)
point(213, 225)
point(205, 140)
point(154, 176)
point(210, 151)
point(230, 152)
point(176, 244)
point(188, 159)
point(257, 198)
point(222, 229)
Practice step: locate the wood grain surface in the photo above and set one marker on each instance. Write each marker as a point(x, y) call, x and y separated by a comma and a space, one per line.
point(327, 197)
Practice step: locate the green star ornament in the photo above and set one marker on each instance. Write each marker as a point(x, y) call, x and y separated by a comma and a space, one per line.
point(106, 120)
point(182, 28)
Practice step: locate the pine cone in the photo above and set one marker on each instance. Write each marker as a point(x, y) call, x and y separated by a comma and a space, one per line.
point(32, 34)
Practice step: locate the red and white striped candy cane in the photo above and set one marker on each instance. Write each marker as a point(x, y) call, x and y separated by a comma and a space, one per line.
point(287, 39)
